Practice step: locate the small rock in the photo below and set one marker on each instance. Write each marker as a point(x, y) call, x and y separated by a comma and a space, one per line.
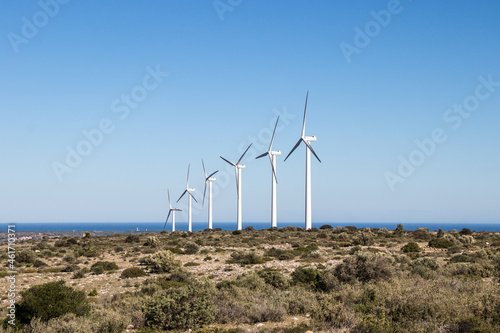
point(259, 324)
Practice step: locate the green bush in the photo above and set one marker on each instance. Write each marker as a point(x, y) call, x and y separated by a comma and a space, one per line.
point(330, 314)
point(102, 266)
point(245, 258)
point(411, 247)
point(152, 241)
point(281, 254)
point(132, 272)
point(440, 243)
point(160, 262)
point(51, 300)
point(26, 256)
point(94, 292)
point(132, 239)
point(180, 308)
point(78, 275)
point(274, 278)
point(39, 263)
point(364, 267)
point(191, 248)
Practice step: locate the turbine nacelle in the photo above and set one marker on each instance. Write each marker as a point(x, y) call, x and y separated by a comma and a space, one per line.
point(309, 138)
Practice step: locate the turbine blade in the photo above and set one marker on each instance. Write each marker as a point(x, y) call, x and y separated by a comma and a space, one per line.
point(272, 138)
point(304, 123)
point(187, 182)
point(204, 191)
point(237, 184)
point(204, 168)
point(192, 196)
point(228, 161)
point(272, 166)
point(182, 195)
point(295, 147)
point(266, 153)
point(177, 209)
point(213, 173)
point(312, 150)
point(167, 218)
point(169, 204)
point(244, 154)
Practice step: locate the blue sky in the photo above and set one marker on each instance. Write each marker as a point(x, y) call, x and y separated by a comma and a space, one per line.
point(68, 67)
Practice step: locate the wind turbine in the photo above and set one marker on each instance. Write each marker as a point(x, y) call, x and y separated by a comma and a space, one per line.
point(307, 141)
point(188, 191)
point(209, 180)
point(272, 158)
point(237, 170)
point(171, 210)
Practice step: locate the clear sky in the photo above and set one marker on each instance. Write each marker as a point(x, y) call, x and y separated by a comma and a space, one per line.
point(158, 85)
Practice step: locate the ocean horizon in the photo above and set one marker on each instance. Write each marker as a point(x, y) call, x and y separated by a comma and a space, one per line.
point(182, 226)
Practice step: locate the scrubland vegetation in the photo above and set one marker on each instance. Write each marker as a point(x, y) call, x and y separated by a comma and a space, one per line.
point(276, 280)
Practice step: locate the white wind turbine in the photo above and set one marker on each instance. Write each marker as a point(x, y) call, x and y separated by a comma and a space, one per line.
point(171, 210)
point(272, 158)
point(209, 180)
point(188, 191)
point(237, 169)
point(307, 140)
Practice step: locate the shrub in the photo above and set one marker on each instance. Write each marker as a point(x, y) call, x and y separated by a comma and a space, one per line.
point(26, 256)
point(280, 254)
point(180, 308)
point(71, 268)
point(132, 239)
point(70, 257)
point(78, 275)
point(132, 272)
point(160, 262)
point(60, 243)
point(363, 238)
point(39, 263)
point(440, 243)
point(191, 248)
point(306, 275)
point(274, 278)
point(465, 231)
point(422, 234)
point(72, 241)
point(237, 232)
point(101, 266)
point(400, 231)
point(94, 292)
point(326, 226)
point(152, 241)
point(51, 300)
point(364, 266)
point(411, 247)
point(245, 258)
point(330, 314)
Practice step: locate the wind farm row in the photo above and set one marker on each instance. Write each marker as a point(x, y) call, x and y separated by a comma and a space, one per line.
point(237, 169)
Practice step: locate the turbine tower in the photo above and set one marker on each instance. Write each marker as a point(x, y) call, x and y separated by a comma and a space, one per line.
point(188, 191)
point(171, 210)
point(237, 170)
point(307, 141)
point(209, 180)
point(272, 158)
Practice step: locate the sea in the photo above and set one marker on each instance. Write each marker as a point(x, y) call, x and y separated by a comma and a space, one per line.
point(182, 226)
